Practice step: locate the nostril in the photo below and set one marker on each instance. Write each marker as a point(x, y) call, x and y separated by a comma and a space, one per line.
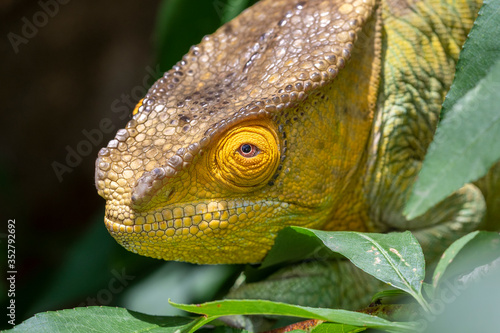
point(170, 193)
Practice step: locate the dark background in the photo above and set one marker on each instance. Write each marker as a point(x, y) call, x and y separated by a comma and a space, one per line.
point(66, 66)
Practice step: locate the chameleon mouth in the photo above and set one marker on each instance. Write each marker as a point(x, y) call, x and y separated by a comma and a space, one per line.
point(182, 220)
point(153, 228)
point(173, 239)
point(188, 231)
point(189, 218)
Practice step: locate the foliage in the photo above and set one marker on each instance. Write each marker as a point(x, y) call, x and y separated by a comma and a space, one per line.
point(400, 263)
point(466, 142)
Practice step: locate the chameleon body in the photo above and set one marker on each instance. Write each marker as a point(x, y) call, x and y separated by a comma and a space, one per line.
point(304, 113)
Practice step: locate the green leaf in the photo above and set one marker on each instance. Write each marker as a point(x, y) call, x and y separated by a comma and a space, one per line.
point(388, 294)
point(232, 9)
point(428, 290)
point(395, 258)
point(337, 328)
point(260, 307)
point(103, 319)
point(480, 52)
point(181, 24)
point(293, 245)
point(466, 142)
point(467, 308)
point(472, 250)
point(449, 255)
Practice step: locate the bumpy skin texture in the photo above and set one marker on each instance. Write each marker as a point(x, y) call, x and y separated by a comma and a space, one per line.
point(312, 113)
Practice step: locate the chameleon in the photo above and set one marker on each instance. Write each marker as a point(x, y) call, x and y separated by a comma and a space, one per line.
point(295, 113)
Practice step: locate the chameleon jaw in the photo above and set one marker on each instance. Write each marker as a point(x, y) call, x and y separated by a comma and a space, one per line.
point(194, 232)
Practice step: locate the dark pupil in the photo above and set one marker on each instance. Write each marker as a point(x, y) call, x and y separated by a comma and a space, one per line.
point(246, 148)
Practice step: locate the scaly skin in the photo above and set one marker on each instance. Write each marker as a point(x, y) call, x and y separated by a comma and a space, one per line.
point(315, 114)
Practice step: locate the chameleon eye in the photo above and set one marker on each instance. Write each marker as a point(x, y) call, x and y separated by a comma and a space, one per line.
point(248, 150)
point(246, 157)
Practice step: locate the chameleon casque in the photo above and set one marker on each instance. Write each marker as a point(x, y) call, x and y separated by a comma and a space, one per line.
point(296, 113)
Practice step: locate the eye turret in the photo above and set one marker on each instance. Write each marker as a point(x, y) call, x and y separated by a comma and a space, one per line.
point(245, 157)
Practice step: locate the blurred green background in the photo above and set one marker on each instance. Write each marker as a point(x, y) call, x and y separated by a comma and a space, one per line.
point(78, 63)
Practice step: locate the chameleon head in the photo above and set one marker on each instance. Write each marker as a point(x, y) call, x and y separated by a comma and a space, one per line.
point(220, 153)
point(192, 204)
